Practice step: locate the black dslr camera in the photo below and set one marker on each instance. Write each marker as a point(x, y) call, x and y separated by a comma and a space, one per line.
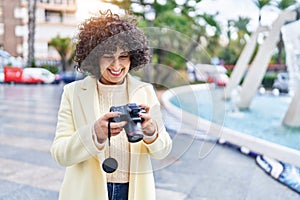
point(130, 113)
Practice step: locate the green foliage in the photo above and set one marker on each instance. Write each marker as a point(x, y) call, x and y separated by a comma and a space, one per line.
point(262, 3)
point(32, 64)
point(268, 80)
point(275, 56)
point(64, 47)
point(51, 68)
point(229, 55)
point(174, 21)
point(283, 4)
point(174, 61)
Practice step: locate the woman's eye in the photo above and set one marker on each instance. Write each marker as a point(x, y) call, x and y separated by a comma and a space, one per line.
point(124, 56)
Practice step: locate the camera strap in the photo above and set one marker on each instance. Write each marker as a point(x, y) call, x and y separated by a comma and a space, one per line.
point(108, 133)
point(109, 165)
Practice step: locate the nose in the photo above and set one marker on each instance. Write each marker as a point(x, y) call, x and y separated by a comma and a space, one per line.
point(115, 64)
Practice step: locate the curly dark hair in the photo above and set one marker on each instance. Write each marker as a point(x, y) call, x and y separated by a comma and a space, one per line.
point(103, 34)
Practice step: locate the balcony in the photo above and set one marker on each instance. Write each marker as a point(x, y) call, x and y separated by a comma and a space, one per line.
point(66, 6)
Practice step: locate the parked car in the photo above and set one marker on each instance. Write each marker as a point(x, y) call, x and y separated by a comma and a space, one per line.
point(281, 83)
point(15, 75)
point(39, 73)
point(4, 58)
point(8, 60)
point(209, 73)
point(27, 75)
point(219, 79)
point(57, 79)
point(70, 76)
point(1, 75)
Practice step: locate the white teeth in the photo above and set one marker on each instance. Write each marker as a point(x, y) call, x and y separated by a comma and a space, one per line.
point(114, 72)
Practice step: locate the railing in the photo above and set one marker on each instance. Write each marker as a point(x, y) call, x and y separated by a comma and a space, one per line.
point(55, 5)
point(271, 67)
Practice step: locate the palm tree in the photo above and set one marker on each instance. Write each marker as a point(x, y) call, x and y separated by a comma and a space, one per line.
point(260, 4)
point(283, 4)
point(64, 49)
point(31, 31)
point(241, 25)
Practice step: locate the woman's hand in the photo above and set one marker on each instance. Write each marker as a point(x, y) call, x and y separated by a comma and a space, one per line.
point(148, 126)
point(101, 126)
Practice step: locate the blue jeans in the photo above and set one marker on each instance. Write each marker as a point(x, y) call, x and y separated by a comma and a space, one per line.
point(117, 191)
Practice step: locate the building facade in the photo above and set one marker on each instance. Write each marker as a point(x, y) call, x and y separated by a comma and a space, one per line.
point(8, 23)
point(53, 17)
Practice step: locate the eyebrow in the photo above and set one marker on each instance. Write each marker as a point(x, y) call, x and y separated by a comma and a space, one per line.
point(112, 53)
point(125, 52)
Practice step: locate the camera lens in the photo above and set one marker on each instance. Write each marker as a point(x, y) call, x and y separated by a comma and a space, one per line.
point(135, 138)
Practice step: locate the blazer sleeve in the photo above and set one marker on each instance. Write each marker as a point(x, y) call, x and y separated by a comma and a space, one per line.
point(71, 146)
point(162, 146)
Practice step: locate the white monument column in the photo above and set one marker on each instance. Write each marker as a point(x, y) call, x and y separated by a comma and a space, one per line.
point(260, 63)
point(292, 116)
point(291, 38)
point(242, 63)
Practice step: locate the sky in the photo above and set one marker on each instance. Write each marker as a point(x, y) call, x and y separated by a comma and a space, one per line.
point(232, 9)
point(228, 9)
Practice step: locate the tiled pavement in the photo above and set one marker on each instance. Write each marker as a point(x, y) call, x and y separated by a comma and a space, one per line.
point(27, 171)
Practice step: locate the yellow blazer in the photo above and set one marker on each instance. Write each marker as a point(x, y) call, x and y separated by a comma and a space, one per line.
point(74, 148)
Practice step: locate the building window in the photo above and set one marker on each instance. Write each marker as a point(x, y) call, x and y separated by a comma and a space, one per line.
point(53, 16)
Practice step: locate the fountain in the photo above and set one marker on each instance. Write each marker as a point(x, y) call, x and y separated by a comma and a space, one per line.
point(188, 116)
point(242, 96)
point(259, 65)
point(291, 39)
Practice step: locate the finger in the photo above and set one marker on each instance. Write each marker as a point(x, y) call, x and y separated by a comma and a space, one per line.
point(102, 123)
point(149, 128)
point(145, 116)
point(116, 131)
point(144, 106)
point(120, 125)
point(109, 115)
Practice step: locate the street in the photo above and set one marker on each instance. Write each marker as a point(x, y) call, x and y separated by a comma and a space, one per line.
point(27, 127)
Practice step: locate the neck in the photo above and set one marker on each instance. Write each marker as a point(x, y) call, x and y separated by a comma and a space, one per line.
point(111, 83)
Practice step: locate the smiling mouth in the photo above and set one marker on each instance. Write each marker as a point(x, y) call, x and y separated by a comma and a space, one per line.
point(116, 73)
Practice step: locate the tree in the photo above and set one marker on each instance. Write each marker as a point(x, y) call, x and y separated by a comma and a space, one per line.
point(63, 45)
point(31, 31)
point(239, 29)
point(242, 30)
point(260, 4)
point(284, 4)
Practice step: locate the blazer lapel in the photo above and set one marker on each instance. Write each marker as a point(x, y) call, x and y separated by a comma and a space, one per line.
point(88, 99)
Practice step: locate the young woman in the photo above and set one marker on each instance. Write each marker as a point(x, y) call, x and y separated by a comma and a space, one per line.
point(107, 48)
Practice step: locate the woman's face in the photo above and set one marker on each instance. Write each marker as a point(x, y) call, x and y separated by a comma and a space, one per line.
point(114, 67)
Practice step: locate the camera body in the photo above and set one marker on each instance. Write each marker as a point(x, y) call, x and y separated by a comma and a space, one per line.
point(130, 113)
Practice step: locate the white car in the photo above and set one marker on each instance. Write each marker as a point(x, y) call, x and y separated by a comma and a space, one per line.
point(39, 73)
point(1, 75)
point(7, 60)
point(281, 83)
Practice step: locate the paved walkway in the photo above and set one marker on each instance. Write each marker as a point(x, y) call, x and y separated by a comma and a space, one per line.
point(194, 169)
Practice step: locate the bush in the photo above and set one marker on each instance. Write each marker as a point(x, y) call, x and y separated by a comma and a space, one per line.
point(268, 80)
point(51, 68)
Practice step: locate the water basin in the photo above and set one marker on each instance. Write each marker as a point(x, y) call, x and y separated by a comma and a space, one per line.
point(263, 120)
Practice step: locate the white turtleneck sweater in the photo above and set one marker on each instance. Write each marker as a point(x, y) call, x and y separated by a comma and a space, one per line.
point(115, 95)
